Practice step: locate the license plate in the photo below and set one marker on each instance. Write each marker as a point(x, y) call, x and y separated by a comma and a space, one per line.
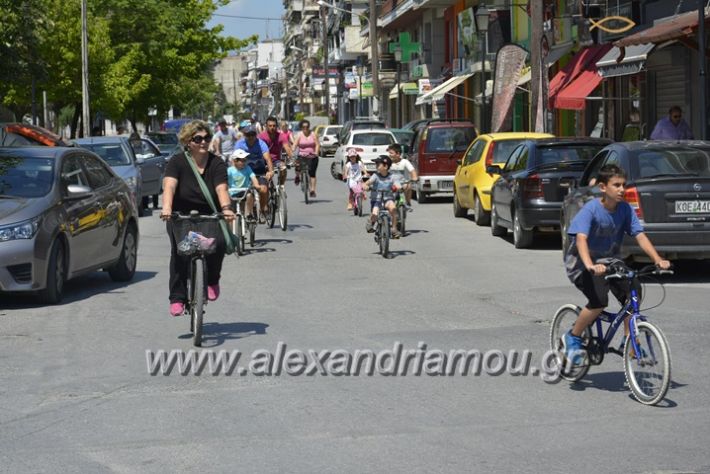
point(692, 207)
point(446, 185)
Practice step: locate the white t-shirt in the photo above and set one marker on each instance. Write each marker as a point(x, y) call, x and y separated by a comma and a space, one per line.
point(403, 169)
point(353, 171)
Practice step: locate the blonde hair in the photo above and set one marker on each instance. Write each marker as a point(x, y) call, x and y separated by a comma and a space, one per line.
point(191, 128)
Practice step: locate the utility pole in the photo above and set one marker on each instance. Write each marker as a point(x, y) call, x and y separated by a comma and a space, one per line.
point(325, 61)
point(702, 79)
point(375, 57)
point(85, 117)
point(536, 70)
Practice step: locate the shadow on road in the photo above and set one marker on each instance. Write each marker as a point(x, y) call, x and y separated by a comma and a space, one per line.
point(262, 242)
point(215, 334)
point(299, 226)
point(77, 289)
point(616, 382)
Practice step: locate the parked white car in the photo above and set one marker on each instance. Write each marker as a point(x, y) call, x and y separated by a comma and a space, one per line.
point(369, 144)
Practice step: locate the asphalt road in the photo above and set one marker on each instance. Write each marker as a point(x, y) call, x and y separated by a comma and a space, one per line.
point(76, 395)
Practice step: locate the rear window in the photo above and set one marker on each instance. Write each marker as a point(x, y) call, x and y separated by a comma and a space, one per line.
point(366, 125)
point(450, 139)
point(112, 154)
point(503, 149)
point(372, 139)
point(332, 131)
point(163, 139)
point(25, 177)
point(674, 162)
point(557, 154)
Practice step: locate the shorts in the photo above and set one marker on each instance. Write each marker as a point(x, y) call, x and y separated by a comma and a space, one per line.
point(375, 204)
point(312, 166)
point(596, 289)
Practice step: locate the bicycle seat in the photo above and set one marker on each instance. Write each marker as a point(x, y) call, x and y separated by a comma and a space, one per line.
point(238, 194)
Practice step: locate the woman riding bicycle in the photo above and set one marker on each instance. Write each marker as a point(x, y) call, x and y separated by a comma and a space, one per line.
point(308, 147)
point(182, 194)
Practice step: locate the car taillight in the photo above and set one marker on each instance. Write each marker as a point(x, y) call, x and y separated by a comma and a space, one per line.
point(532, 187)
point(631, 196)
point(489, 155)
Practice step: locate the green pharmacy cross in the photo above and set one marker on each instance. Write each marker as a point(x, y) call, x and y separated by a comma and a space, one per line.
point(405, 43)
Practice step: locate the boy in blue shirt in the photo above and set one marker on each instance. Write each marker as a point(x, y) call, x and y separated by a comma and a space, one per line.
point(388, 183)
point(597, 232)
point(239, 176)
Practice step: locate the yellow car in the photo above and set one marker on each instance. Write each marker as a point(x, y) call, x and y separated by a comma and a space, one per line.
point(472, 184)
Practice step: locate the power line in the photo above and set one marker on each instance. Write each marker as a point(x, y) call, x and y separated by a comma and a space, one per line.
point(249, 17)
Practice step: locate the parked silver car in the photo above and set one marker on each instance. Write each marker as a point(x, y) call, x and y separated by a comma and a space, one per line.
point(63, 213)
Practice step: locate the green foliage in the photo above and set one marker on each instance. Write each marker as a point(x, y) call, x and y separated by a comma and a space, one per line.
point(143, 54)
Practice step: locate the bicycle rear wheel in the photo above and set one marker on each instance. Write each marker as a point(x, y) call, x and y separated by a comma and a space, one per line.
point(357, 210)
point(305, 185)
point(648, 371)
point(402, 218)
point(270, 211)
point(562, 322)
point(384, 238)
point(283, 211)
point(252, 233)
point(198, 300)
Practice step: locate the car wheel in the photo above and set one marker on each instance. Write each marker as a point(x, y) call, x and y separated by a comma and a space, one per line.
point(482, 217)
point(422, 198)
point(521, 238)
point(496, 229)
point(125, 267)
point(56, 275)
point(459, 211)
point(333, 173)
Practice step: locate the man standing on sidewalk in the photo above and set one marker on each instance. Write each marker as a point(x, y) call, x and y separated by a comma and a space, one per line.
point(672, 127)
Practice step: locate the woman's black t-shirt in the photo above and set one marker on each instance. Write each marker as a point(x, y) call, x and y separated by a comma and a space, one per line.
point(188, 195)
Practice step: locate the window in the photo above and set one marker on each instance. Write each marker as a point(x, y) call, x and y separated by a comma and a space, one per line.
point(474, 153)
point(503, 149)
point(674, 162)
point(594, 167)
point(442, 140)
point(112, 153)
point(372, 139)
point(96, 172)
point(26, 177)
point(556, 154)
point(512, 159)
point(519, 162)
point(73, 173)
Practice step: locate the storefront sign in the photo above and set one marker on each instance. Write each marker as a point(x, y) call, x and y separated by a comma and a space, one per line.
point(424, 86)
point(509, 67)
point(467, 32)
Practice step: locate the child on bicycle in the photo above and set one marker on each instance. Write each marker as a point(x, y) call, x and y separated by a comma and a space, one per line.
point(239, 177)
point(353, 174)
point(405, 169)
point(387, 183)
point(597, 232)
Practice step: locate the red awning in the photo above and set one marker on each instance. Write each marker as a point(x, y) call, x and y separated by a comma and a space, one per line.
point(574, 95)
point(584, 60)
point(678, 27)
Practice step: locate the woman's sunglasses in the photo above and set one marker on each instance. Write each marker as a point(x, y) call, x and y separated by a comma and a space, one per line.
point(200, 138)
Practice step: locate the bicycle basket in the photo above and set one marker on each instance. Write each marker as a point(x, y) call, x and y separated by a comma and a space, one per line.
point(195, 237)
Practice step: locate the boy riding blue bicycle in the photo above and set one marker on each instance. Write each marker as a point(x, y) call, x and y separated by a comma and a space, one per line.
point(596, 233)
point(384, 186)
point(240, 176)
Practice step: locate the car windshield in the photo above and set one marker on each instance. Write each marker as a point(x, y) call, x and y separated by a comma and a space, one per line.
point(450, 139)
point(163, 138)
point(557, 154)
point(364, 125)
point(372, 139)
point(503, 149)
point(112, 153)
point(332, 131)
point(25, 177)
point(674, 162)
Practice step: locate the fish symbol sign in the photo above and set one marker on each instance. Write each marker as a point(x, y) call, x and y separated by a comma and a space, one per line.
point(628, 24)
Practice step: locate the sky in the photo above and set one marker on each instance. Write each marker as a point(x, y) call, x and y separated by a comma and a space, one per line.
point(243, 27)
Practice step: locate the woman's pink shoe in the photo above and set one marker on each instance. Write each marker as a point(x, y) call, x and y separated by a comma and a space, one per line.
point(177, 309)
point(212, 292)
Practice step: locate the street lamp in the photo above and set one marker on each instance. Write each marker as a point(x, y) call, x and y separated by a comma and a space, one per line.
point(398, 60)
point(482, 17)
point(360, 68)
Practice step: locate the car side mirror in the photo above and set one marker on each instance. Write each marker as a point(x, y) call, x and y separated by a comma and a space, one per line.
point(459, 161)
point(493, 169)
point(76, 191)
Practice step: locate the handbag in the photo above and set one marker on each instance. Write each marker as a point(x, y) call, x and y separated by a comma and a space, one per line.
point(229, 238)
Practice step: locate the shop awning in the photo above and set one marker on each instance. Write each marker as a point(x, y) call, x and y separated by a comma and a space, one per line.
point(679, 27)
point(585, 60)
point(408, 88)
point(440, 91)
point(574, 95)
point(622, 62)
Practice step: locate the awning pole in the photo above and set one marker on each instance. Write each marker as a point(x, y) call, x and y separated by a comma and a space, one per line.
point(702, 86)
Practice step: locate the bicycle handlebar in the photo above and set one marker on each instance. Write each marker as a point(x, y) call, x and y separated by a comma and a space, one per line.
point(196, 216)
point(618, 271)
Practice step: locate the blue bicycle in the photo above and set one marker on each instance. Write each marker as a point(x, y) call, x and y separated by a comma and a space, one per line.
point(647, 358)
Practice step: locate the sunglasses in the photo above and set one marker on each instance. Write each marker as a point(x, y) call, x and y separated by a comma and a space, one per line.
point(201, 138)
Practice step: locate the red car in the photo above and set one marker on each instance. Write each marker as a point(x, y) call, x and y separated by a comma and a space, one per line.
point(437, 147)
point(23, 134)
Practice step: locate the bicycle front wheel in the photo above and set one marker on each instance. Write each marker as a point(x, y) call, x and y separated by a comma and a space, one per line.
point(647, 366)
point(270, 212)
point(358, 205)
point(283, 211)
point(305, 185)
point(239, 227)
point(252, 233)
point(563, 321)
point(384, 239)
point(402, 217)
point(198, 300)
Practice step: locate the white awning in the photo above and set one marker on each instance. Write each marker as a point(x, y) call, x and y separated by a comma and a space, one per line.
point(613, 65)
point(440, 91)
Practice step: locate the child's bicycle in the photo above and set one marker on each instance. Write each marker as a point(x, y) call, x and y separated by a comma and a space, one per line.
point(383, 226)
point(196, 249)
point(357, 196)
point(647, 358)
point(239, 224)
point(276, 206)
point(402, 210)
